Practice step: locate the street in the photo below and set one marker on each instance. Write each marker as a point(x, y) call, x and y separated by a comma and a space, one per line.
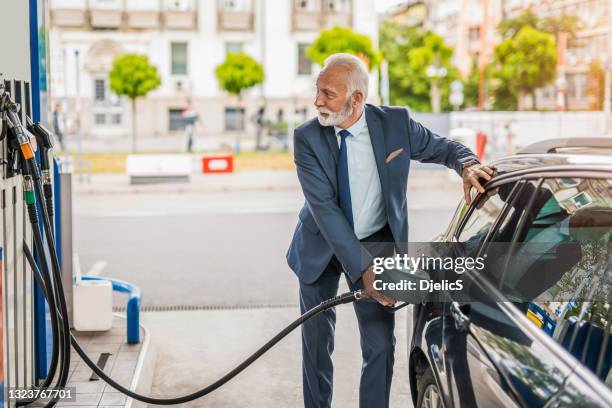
point(215, 249)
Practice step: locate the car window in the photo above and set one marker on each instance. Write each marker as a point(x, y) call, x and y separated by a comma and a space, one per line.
point(560, 274)
point(480, 221)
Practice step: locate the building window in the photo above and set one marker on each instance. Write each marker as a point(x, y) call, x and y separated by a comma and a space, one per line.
point(179, 58)
point(306, 5)
point(236, 5)
point(474, 34)
point(234, 118)
point(233, 47)
point(304, 63)
point(115, 118)
point(577, 86)
point(335, 6)
point(175, 119)
point(100, 119)
point(100, 90)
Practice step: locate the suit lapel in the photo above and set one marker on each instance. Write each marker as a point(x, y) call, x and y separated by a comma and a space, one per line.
point(327, 151)
point(377, 138)
point(332, 142)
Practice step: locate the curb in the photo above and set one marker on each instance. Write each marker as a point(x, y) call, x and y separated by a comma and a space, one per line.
point(145, 367)
point(416, 180)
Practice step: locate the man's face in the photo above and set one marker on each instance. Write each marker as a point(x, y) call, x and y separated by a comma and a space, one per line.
point(334, 105)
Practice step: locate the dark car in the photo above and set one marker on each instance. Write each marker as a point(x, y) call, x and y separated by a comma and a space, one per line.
point(533, 328)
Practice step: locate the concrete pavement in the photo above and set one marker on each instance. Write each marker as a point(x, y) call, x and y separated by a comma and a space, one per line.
point(196, 348)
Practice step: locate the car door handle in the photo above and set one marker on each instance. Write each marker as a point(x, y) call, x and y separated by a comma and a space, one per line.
point(458, 312)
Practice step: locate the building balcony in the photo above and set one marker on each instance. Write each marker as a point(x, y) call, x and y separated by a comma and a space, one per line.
point(337, 19)
point(69, 13)
point(142, 14)
point(180, 14)
point(235, 20)
point(106, 13)
point(235, 15)
point(315, 15)
point(306, 20)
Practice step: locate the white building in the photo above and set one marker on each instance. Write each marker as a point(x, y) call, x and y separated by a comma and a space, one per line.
point(186, 40)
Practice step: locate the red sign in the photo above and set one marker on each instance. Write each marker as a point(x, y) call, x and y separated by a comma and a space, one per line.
point(218, 164)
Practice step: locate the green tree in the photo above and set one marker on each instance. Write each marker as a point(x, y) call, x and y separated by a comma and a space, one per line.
point(524, 63)
point(410, 52)
point(510, 27)
point(568, 24)
point(554, 24)
point(563, 23)
point(132, 75)
point(343, 39)
point(237, 73)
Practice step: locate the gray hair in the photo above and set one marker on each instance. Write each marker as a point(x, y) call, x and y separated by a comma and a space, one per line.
point(358, 78)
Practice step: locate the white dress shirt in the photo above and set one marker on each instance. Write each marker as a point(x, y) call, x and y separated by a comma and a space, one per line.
point(366, 193)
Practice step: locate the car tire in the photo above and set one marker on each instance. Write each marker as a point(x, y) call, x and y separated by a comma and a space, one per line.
point(429, 393)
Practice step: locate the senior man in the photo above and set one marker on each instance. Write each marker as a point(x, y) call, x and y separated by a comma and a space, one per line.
point(352, 163)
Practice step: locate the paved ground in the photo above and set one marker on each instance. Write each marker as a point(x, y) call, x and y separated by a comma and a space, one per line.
point(208, 344)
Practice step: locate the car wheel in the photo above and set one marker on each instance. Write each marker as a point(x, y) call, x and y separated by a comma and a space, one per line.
point(429, 394)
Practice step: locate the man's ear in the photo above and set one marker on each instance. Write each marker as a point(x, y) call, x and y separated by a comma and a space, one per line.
point(358, 97)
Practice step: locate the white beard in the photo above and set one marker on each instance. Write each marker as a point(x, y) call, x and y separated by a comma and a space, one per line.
point(335, 118)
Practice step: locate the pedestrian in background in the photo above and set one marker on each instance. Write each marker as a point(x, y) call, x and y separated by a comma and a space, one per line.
point(259, 119)
point(190, 116)
point(281, 129)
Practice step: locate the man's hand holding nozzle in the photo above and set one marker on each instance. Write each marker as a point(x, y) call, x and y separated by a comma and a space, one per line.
point(368, 279)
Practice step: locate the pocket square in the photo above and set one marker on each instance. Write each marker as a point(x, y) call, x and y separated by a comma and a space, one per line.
point(393, 154)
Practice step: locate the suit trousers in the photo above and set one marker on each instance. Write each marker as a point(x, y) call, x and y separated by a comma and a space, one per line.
point(376, 326)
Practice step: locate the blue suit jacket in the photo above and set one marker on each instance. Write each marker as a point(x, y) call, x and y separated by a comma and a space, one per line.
point(322, 229)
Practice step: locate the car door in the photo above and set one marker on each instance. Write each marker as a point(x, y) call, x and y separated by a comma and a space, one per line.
point(490, 359)
point(564, 282)
point(470, 377)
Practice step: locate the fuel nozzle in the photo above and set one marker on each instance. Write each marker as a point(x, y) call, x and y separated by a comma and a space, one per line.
point(19, 138)
point(44, 139)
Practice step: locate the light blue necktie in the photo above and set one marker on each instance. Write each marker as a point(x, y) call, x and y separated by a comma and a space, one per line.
point(344, 188)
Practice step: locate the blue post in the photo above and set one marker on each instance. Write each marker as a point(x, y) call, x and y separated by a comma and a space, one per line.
point(42, 339)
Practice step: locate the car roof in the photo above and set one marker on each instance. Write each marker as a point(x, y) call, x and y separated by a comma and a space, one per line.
point(580, 145)
point(574, 152)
